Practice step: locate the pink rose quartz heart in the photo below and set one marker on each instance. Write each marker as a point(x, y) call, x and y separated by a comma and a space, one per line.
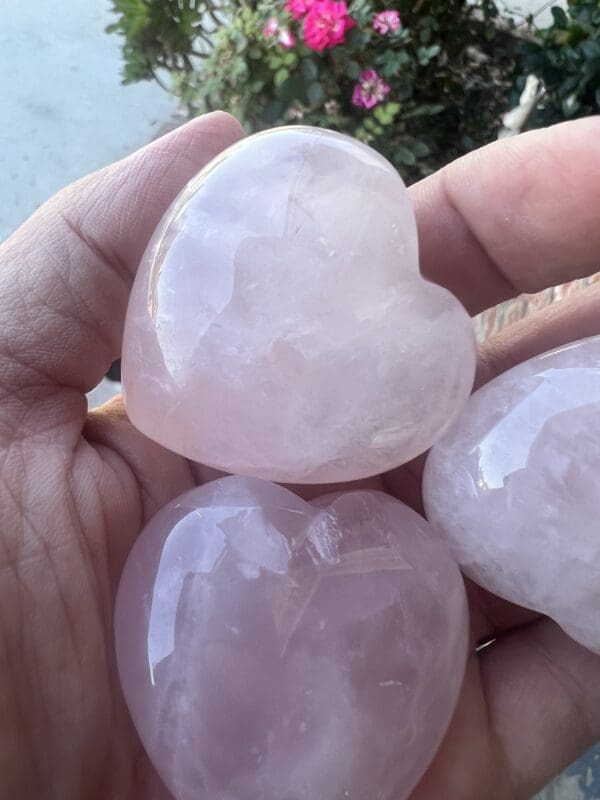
point(279, 327)
point(515, 484)
point(270, 649)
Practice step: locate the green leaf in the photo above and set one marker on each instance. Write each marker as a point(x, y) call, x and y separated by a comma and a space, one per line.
point(255, 52)
point(315, 93)
point(424, 110)
point(382, 115)
point(309, 69)
point(353, 70)
point(590, 69)
point(273, 111)
point(385, 113)
point(560, 18)
point(405, 155)
point(239, 71)
point(390, 69)
point(281, 76)
point(420, 149)
point(427, 54)
point(569, 85)
point(404, 88)
point(240, 41)
point(590, 48)
point(570, 105)
point(290, 59)
point(353, 38)
point(292, 89)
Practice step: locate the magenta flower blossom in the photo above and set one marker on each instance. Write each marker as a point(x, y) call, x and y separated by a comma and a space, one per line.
point(284, 35)
point(387, 21)
point(326, 23)
point(271, 29)
point(286, 38)
point(298, 8)
point(370, 89)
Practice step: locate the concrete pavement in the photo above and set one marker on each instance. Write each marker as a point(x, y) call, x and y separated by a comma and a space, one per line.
point(64, 111)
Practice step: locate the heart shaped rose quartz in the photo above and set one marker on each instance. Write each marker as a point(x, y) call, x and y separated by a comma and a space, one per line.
point(514, 484)
point(278, 325)
point(271, 649)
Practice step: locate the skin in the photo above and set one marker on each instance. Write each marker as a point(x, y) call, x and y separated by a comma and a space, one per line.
point(76, 488)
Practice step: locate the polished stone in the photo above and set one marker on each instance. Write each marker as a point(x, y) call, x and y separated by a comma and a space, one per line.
point(515, 485)
point(271, 649)
point(279, 326)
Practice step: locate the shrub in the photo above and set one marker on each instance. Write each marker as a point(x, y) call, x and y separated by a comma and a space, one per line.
point(162, 35)
point(422, 82)
point(566, 56)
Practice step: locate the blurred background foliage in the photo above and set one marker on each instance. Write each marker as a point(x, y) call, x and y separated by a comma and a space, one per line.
point(566, 57)
point(444, 76)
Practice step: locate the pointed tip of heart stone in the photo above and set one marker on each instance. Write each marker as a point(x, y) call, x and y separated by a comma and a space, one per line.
point(279, 326)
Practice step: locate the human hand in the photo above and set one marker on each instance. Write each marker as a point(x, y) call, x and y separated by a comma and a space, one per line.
point(76, 487)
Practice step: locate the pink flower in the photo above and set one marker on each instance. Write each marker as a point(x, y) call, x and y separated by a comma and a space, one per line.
point(298, 8)
point(387, 21)
point(271, 28)
point(326, 23)
point(284, 35)
point(370, 89)
point(286, 38)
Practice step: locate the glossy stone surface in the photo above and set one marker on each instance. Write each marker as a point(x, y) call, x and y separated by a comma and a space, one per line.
point(279, 327)
point(516, 486)
point(271, 649)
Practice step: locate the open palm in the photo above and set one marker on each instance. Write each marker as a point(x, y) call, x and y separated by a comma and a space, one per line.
point(76, 488)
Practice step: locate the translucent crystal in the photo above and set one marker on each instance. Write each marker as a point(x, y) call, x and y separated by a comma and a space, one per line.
point(515, 485)
point(270, 649)
point(279, 327)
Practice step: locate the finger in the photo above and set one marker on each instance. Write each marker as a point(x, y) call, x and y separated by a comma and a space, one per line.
point(529, 706)
point(516, 216)
point(136, 469)
point(575, 317)
point(468, 764)
point(543, 700)
point(65, 275)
